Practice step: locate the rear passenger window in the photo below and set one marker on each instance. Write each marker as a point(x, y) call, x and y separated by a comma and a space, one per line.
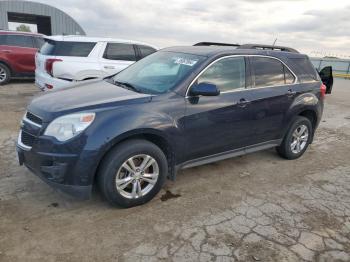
point(39, 42)
point(268, 72)
point(17, 40)
point(146, 50)
point(227, 74)
point(118, 51)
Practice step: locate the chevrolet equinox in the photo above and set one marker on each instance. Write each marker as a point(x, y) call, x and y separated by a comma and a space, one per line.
point(177, 108)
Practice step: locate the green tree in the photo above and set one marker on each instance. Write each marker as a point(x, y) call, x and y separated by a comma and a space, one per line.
point(23, 28)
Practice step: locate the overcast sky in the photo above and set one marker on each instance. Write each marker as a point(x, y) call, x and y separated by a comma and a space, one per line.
point(307, 25)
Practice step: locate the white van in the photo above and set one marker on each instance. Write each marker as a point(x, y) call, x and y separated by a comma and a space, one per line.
point(66, 59)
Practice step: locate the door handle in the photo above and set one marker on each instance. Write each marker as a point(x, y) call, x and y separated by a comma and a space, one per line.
point(291, 93)
point(243, 102)
point(6, 51)
point(109, 67)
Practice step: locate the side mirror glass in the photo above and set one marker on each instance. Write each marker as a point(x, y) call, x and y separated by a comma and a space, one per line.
point(204, 89)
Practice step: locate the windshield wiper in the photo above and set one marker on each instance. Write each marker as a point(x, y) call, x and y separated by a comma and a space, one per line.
point(127, 86)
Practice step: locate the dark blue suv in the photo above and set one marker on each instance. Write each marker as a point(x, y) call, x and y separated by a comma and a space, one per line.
point(177, 108)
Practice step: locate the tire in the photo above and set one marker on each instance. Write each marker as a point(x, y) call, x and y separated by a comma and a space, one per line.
point(5, 74)
point(113, 169)
point(293, 151)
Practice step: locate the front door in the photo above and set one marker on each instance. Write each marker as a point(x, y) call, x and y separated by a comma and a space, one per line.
point(215, 124)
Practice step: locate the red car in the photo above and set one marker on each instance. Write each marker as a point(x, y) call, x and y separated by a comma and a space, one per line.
point(17, 53)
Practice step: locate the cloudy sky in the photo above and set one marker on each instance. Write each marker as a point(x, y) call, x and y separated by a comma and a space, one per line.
point(308, 25)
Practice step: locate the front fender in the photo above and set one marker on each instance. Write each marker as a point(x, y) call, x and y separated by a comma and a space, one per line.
point(113, 126)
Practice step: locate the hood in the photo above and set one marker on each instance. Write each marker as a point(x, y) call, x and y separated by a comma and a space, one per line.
point(94, 94)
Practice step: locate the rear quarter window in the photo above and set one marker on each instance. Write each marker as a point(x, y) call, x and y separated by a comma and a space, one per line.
point(146, 50)
point(39, 42)
point(304, 69)
point(67, 48)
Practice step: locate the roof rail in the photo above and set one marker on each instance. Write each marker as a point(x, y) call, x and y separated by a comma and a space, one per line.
point(267, 47)
point(250, 46)
point(214, 43)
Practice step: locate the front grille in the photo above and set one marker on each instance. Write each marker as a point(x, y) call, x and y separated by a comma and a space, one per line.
point(27, 139)
point(34, 118)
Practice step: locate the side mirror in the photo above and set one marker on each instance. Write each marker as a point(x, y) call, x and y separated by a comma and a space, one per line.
point(326, 75)
point(204, 89)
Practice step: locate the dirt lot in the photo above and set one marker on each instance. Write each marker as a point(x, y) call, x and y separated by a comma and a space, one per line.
point(257, 207)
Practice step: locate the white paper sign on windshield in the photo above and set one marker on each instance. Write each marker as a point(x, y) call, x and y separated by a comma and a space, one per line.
point(184, 61)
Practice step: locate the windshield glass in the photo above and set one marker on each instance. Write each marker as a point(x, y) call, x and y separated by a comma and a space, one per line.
point(158, 73)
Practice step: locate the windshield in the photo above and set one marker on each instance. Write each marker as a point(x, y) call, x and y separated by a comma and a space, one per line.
point(158, 73)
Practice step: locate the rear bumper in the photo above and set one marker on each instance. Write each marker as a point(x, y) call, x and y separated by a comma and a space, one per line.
point(42, 79)
point(54, 169)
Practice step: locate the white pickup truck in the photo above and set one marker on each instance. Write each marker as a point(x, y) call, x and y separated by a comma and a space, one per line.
point(66, 59)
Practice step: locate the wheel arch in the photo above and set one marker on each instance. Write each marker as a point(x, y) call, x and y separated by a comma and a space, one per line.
point(154, 136)
point(308, 112)
point(8, 65)
point(311, 115)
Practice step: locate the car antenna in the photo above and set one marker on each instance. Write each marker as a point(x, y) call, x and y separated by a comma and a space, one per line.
point(274, 42)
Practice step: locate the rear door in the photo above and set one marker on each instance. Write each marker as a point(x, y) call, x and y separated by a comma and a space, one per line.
point(20, 51)
point(272, 93)
point(116, 57)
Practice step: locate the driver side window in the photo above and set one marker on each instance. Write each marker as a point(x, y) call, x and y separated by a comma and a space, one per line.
point(227, 74)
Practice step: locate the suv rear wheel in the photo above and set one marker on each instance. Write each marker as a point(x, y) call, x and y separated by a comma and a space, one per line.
point(132, 173)
point(5, 74)
point(297, 139)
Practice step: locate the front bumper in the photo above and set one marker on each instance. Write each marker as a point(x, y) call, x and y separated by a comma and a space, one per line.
point(54, 169)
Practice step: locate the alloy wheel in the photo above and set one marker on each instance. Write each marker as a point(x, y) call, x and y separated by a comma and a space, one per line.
point(299, 139)
point(137, 176)
point(2, 74)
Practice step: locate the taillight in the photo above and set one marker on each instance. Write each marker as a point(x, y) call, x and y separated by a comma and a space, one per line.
point(323, 89)
point(48, 86)
point(49, 64)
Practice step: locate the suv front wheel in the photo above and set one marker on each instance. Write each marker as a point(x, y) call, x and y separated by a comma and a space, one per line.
point(297, 139)
point(132, 173)
point(5, 74)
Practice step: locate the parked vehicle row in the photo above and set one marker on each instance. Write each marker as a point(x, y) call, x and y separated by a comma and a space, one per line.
point(177, 108)
point(60, 60)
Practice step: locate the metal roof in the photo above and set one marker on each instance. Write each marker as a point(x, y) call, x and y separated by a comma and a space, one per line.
point(61, 23)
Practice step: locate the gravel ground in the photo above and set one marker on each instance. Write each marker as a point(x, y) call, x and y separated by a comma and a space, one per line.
point(258, 207)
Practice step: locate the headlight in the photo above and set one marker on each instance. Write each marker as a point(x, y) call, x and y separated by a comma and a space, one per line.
point(68, 126)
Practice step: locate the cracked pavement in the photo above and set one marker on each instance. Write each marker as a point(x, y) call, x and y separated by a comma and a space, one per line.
point(257, 207)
